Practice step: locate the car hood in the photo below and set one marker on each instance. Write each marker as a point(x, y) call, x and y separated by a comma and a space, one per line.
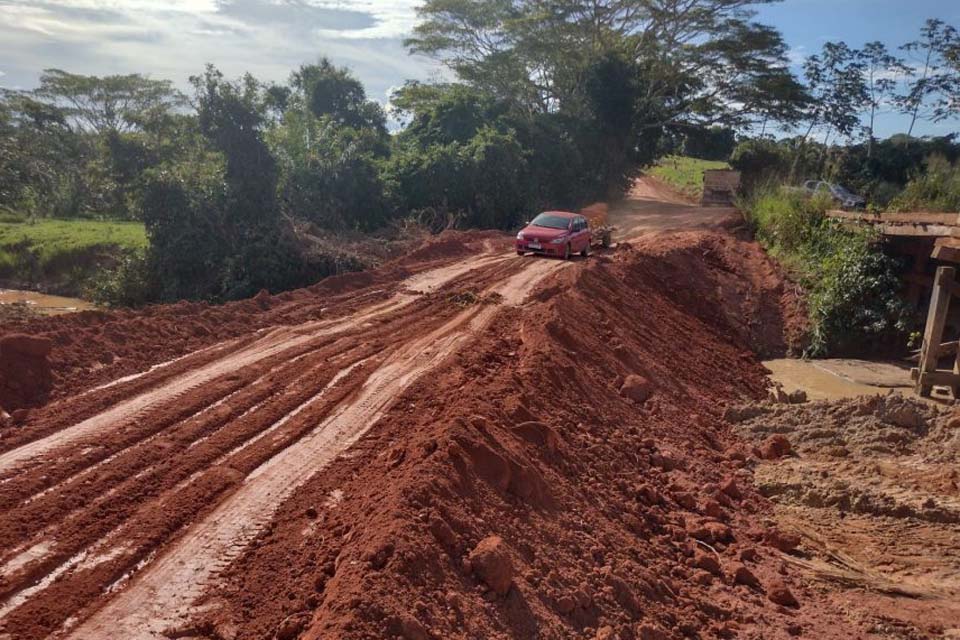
point(531, 232)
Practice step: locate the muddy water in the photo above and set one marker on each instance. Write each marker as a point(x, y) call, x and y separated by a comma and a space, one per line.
point(43, 303)
point(833, 379)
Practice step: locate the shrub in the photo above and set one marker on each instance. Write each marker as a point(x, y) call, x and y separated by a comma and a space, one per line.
point(760, 160)
point(852, 284)
point(854, 306)
point(130, 284)
point(936, 190)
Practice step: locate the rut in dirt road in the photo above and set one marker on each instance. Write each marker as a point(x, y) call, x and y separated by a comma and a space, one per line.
point(250, 428)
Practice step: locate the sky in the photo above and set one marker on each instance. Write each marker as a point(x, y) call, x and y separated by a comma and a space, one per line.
point(173, 39)
point(807, 24)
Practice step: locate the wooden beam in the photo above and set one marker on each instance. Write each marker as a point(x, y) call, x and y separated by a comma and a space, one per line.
point(933, 332)
point(918, 218)
point(938, 378)
point(946, 250)
point(919, 230)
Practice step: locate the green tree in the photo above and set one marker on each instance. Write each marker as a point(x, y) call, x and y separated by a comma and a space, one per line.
point(934, 91)
point(112, 103)
point(881, 70)
point(704, 61)
point(327, 90)
point(835, 82)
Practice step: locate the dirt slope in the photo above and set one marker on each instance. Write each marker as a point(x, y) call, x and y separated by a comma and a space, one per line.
point(464, 444)
point(871, 488)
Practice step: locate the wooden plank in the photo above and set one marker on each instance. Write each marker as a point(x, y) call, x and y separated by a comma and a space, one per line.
point(946, 254)
point(919, 230)
point(933, 332)
point(950, 219)
point(938, 378)
point(919, 218)
point(855, 216)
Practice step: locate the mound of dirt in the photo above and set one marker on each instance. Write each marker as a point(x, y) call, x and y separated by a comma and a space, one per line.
point(859, 427)
point(871, 494)
point(25, 377)
point(522, 451)
point(731, 284)
point(93, 347)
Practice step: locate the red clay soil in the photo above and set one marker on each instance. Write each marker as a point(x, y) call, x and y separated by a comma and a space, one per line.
point(562, 471)
point(617, 519)
point(94, 347)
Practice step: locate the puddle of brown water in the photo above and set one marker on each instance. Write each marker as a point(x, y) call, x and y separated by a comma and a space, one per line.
point(43, 303)
point(836, 379)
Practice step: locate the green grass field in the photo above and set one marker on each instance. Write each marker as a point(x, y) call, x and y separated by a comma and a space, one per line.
point(27, 249)
point(685, 174)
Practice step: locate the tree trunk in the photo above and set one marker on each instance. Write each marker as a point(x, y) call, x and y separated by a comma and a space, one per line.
point(797, 152)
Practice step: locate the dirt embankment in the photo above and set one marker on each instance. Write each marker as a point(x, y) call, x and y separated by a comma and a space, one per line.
point(95, 347)
point(429, 456)
point(536, 487)
point(870, 487)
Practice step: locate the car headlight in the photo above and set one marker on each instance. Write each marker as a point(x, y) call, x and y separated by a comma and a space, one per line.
point(520, 236)
point(559, 240)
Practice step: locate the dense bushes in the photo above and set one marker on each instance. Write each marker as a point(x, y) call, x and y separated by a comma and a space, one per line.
point(709, 143)
point(878, 173)
point(937, 189)
point(852, 284)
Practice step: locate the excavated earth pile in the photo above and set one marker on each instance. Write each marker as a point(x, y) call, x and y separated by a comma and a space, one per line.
point(95, 347)
point(869, 489)
point(466, 445)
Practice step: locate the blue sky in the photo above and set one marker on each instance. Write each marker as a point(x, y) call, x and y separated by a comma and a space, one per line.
point(807, 24)
point(174, 38)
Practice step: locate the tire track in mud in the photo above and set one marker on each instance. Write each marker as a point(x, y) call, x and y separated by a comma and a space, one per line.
point(78, 513)
point(157, 600)
point(274, 342)
point(71, 561)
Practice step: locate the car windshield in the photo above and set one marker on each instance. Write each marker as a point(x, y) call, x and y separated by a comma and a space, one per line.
point(551, 222)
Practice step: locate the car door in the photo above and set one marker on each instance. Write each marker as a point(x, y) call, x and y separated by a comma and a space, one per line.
point(584, 233)
point(578, 235)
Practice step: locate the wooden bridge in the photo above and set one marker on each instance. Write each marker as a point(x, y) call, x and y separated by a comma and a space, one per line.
point(932, 242)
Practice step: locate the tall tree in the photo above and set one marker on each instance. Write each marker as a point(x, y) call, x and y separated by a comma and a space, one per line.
point(882, 72)
point(699, 61)
point(837, 90)
point(934, 92)
point(115, 103)
point(328, 90)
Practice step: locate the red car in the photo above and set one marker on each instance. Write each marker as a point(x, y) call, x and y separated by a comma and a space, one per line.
point(555, 233)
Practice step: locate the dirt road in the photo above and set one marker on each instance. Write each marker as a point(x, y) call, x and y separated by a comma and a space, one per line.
point(249, 420)
point(652, 207)
point(325, 463)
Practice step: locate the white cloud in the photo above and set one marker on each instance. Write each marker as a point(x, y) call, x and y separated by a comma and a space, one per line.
point(175, 38)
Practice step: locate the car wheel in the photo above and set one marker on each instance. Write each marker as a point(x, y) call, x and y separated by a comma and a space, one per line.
point(586, 250)
point(519, 253)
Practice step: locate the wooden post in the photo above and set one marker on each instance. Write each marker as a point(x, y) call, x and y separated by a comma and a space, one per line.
point(933, 332)
point(914, 288)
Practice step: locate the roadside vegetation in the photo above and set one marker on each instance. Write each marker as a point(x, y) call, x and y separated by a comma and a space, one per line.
point(64, 253)
point(244, 184)
point(852, 286)
point(685, 174)
point(936, 189)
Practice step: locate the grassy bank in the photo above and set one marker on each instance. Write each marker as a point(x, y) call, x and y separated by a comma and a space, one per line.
point(59, 256)
point(852, 285)
point(685, 174)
